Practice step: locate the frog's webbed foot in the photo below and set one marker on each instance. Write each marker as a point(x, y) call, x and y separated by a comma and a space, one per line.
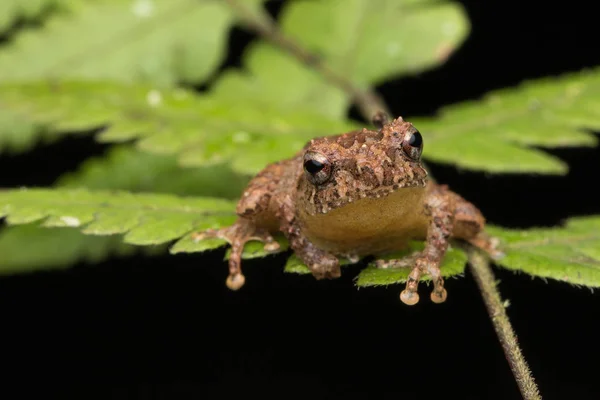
point(242, 231)
point(421, 264)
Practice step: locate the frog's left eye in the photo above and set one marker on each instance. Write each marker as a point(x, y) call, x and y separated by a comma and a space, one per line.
point(413, 144)
point(317, 168)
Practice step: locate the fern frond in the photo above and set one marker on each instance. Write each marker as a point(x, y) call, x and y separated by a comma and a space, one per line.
point(143, 219)
point(568, 253)
point(363, 41)
point(500, 132)
point(201, 130)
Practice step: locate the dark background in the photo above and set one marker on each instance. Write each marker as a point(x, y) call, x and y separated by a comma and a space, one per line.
point(166, 327)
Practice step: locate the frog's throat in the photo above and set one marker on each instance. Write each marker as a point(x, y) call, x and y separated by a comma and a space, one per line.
point(379, 192)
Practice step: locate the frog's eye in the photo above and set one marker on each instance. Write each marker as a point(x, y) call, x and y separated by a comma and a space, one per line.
point(317, 168)
point(413, 144)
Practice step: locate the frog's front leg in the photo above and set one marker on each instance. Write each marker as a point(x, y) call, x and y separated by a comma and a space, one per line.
point(242, 231)
point(440, 209)
point(322, 265)
point(252, 207)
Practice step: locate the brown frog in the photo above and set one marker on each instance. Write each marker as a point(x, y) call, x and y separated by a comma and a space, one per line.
point(356, 194)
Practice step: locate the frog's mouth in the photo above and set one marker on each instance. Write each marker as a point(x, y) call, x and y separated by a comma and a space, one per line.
point(336, 200)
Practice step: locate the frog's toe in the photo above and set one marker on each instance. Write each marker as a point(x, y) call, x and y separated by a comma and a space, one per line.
point(439, 296)
point(328, 268)
point(409, 298)
point(272, 246)
point(235, 282)
point(207, 234)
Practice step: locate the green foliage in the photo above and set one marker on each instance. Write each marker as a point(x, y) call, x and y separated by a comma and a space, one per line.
point(570, 253)
point(13, 10)
point(202, 130)
point(497, 133)
point(144, 219)
point(28, 247)
point(157, 42)
point(160, 41)
point(123, 167)
point(364, 41)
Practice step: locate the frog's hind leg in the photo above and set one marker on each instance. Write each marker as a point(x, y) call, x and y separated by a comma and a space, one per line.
point(469, 226)
point(242, 231)
point(253, 206)
point(439, 206)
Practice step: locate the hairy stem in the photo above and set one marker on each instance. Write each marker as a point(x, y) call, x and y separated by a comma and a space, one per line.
point(368, 101)
point(496, 309)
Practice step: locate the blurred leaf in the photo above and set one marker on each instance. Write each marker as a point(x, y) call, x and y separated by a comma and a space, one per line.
point(127, 168)
point(365, 41)
point(12, 10)
point(497, 133)
point(202, 130)
point(157, 41)
point(570, 253)
point(31, 248)
point(18, 134)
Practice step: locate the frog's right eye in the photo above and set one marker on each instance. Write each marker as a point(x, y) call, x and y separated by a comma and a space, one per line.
point(317, 168)
point(413, 144)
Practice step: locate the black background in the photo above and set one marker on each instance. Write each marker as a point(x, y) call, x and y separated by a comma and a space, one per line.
point(167, 328)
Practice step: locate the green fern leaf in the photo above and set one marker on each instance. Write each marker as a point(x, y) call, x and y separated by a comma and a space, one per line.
point(453, 264)
point(364, 41)
point(201, 130)
point(295, 266)
point(161, 41)
point(570, 253)
point(145, 219)
point(13, 10)
point(29, 247)
point(255, 249)
point(497, 134)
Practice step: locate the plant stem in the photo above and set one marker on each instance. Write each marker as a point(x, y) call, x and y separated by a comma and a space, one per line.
point(484, 276)
point(367, 100)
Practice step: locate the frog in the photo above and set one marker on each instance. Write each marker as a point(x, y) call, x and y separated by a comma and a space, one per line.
point(364, 193)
